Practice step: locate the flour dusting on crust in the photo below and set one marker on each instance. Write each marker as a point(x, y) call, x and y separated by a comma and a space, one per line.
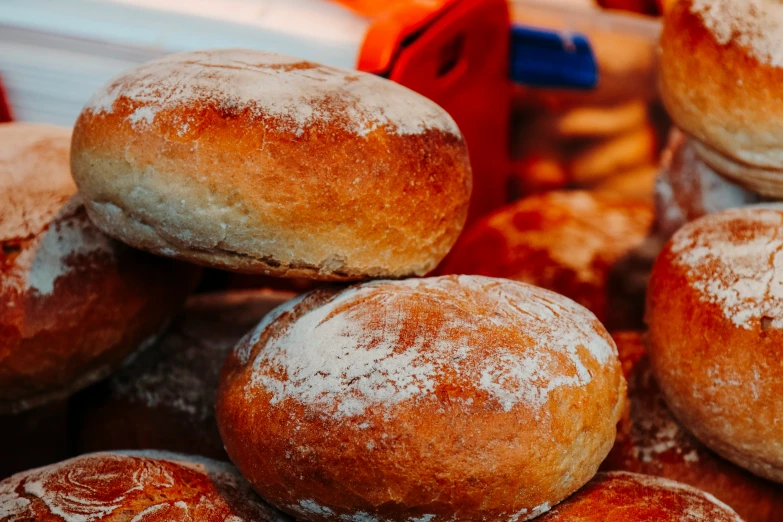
point(754, 24)
point(295, 92)
point(578, 230)
point(735, 261)
point(42, 227)
point(41, 262)
point(378, 344)
point(137, 486)
point(619, 495)
point(699, 506)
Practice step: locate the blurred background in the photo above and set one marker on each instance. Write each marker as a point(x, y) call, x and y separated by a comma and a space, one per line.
point(549, 94)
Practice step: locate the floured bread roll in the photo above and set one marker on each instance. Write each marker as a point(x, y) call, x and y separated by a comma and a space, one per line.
point(687, 189)
point(715, 313)
point(73, 302)
point(457, 397)
point(576, 243)
point(721, 78)
point(149, 486)
point(263, 163)
point(631, 497)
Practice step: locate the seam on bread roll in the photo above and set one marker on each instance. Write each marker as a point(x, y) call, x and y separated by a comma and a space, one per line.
point(332, 269)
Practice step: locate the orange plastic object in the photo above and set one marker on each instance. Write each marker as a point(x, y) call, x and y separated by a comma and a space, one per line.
point(455, 52)
point(392, 23)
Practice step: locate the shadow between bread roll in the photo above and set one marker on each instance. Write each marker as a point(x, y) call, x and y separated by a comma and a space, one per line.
point(715, 313)
point(165, 398)
point(262, 163)
point(721, 74)
point(576, 243)
point(73, 303)
point(38, 436)
point(651, 441)
point(630, 497)
point(458, 397)
point(138, 486)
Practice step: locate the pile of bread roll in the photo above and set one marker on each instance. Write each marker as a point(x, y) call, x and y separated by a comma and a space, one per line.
point(491, 391)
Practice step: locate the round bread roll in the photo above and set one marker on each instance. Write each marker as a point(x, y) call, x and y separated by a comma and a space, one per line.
point(262, 163)
point(165, 398)
point(466, 398)
point(569, 242)
point(125, 486)
point(686, 188)
point(73, 303)
point(651, 441)
point(721, 74)
point(630, 497)
point(715, 312)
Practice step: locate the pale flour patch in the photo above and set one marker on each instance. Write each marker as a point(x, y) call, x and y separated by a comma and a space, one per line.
point(756, 25)
point(41, 263)
point(364, 348)
point(735, 260)
point(298, 93)
point(311, 507)
point(142, 114)
point(11, 504)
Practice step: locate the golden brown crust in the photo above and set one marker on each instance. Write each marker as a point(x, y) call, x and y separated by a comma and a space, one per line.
point(138, 486)
point(462, 397)
point(73, 303)
point(164, 399)
point(715, 314)
point(630, 497)
point(650, 441)
point(317, 198)
point(570, 242)
point(720, 81)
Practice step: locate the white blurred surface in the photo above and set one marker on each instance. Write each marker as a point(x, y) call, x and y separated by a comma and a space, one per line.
point(55, 53)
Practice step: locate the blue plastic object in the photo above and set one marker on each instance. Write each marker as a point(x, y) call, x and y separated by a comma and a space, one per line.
point(542, 58)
